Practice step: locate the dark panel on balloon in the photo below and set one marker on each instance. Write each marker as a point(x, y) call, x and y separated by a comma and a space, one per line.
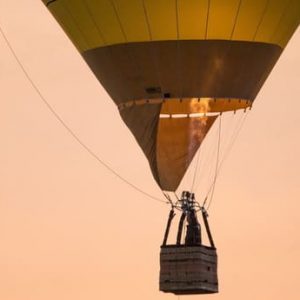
point(197, 68)
point(143, 123)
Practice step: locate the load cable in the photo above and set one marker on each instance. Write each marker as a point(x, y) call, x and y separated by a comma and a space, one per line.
point(69, 130)
point(217, 162)
point(234, 137)
point(228, 150)
point(196, 169)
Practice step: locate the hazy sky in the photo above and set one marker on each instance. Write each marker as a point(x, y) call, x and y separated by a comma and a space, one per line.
point(69, 229)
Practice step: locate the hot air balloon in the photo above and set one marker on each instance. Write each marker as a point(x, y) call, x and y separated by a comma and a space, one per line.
point(173, 67)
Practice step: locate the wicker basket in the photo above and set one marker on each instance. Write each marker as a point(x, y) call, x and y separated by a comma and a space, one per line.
point(188, 269)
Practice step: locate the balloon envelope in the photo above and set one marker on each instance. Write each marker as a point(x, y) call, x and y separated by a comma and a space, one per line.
point(163, 61)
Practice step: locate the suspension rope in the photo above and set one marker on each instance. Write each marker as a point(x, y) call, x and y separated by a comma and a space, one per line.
point(207, 166)
point(217, 163)
point(196, 169)
point(228, 150)
point(234, 138)
point(69, 130)
point(167, 196)
point(225, 142)
point(176, 196)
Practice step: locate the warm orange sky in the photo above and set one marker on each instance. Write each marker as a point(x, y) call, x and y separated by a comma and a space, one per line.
point(69, 229)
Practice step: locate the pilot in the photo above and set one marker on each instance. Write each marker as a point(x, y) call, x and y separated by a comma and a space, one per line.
point(193, 232)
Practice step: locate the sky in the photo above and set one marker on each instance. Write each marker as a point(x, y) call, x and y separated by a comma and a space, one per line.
point(70, 229)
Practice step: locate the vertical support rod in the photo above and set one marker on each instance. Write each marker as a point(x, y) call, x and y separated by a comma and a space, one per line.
point(204, 215)
point(171, 216)
point(180, 227)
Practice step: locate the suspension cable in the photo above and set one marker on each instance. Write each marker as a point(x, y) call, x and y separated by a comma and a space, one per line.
point(205, 167)
point(227, 147)
point(167, 196)
point(217, 164)
point(68, 129)
point(228, 150)
point(176, 196)
point(234, 137)
point(196, 169)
